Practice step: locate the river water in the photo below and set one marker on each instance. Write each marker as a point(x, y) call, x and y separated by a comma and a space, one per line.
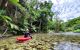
point(67, 46)
point(64, 33)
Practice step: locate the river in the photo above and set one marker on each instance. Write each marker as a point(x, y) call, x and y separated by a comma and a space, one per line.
point(65, 33)
point(66, 45)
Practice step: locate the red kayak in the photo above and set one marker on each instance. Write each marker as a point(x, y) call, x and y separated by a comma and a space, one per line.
point(22, 39)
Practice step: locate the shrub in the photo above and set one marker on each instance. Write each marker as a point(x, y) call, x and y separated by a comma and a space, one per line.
point(77, 27)
point(68, 29)
point(77, 31)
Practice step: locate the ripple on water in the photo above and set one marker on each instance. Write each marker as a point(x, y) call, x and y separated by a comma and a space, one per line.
point(67, 46)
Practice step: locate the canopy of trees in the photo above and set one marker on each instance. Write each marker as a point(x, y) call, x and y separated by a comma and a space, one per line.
point(73, 24)
point(18, 15)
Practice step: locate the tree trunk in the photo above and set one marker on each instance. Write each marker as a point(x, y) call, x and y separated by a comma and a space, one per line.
point(4, 3)
point(40, 26)
point(1, 2)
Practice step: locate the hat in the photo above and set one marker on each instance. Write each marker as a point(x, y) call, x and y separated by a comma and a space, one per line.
point(27, 30)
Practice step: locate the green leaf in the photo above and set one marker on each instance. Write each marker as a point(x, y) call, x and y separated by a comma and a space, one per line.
point(7, 18)
point(14, 1)
point(13, 26)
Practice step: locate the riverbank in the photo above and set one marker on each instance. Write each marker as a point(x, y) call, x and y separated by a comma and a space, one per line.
point(39, 42)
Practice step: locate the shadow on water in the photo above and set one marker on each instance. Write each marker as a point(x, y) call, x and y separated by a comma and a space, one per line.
point(67, 46)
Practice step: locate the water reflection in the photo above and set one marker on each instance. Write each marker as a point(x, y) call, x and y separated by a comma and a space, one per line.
point(67, 46)
point(64, 33)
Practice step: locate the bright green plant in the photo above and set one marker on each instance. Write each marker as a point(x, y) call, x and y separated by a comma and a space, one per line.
point(77, 31)
point(68, 29)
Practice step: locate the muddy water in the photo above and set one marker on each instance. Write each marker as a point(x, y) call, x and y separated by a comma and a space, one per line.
point(67, 46)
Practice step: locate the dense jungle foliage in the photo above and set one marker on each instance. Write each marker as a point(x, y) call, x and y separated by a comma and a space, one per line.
point(73, 25)
point(18, 15)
